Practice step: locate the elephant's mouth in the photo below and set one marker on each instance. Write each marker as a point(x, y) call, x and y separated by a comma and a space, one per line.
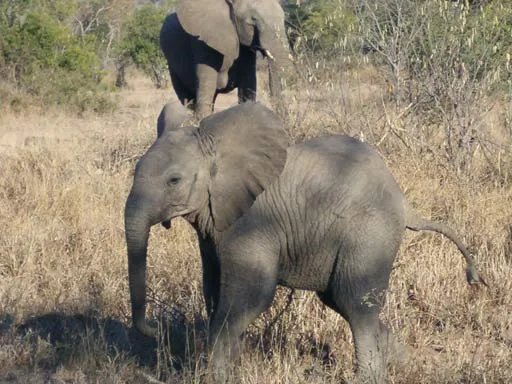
point(165, 220)
point(166, 224)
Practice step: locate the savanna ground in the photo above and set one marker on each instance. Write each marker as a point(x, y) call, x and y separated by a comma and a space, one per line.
point(64, 304)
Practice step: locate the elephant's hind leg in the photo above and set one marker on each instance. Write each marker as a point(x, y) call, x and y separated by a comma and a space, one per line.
point(368, 333)
point(356, 291)
point(372, 341)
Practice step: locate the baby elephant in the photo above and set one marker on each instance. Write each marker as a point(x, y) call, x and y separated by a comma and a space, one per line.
point(324, 215)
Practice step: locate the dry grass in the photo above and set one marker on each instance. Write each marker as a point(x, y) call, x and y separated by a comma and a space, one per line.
point(64, 303)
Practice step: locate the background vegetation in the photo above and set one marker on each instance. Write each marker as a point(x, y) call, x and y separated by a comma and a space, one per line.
point(66, 52)
point(81, 84)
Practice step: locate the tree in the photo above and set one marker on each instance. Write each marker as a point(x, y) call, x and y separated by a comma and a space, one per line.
point(42, 57)
point(319, 26)
point(141, 44)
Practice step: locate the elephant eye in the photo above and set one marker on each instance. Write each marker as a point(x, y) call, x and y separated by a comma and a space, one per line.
point(173, 180)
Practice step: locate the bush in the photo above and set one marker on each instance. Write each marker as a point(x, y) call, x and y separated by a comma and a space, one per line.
point(320, 27)
point(445, 62)
point(445, 65)
point(141, 42)
point(42, 57)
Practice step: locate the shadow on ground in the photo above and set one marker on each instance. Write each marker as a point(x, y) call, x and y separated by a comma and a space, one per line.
point(42, 344)
point(75, 337)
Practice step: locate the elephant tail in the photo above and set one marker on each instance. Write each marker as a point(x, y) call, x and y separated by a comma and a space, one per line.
point(416, 223)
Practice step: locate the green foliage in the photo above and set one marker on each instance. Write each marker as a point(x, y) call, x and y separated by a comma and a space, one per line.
point(41, 56)
point(320, 26)
point(141, 42)
point(473, 40)
point(59, 51)
point(438, 36)
point(38, 41)
point(446, 60)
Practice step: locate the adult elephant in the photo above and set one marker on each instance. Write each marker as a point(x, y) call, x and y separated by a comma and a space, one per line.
point(211, 45)
point(324, 215)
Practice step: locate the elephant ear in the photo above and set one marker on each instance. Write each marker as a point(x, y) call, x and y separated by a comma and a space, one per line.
point(210, 21)
point(247, 144)
point(172, 117)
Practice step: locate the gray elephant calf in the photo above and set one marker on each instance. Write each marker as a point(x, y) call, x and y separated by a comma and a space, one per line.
point(324, 215)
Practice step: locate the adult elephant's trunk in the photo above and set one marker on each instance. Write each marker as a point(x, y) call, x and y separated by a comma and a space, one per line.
point(137, 225)
point(275, 45)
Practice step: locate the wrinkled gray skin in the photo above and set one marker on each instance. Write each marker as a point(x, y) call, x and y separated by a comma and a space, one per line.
point(210, 47)
point(325, 215)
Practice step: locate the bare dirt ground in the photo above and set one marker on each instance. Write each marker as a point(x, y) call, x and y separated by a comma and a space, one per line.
point(137, 103)
point(64, 306)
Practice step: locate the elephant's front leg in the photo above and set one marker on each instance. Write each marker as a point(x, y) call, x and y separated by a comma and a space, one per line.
point(247, 289)
point(206, 88)
point(246, 68)
point(211, 278)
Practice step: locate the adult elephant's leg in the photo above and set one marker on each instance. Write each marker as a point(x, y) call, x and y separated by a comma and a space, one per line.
point(246, 66)
point(215, 98)
point(206, 87)
point(185, 95)
point(247, 289)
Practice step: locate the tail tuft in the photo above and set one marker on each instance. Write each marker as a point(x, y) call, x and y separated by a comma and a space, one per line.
point(474, 277)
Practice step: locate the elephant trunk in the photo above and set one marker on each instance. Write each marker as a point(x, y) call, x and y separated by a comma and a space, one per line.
point(279, 69)
point(279, 59)
point(137, 226)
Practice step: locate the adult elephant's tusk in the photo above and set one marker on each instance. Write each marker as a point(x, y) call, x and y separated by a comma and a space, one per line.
point(268, 54)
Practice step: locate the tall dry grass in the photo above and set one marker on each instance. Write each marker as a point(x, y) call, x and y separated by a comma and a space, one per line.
point(64, 304)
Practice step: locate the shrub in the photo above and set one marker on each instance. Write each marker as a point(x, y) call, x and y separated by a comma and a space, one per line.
point(141, 42)
point(445, 65)
point(445, 60)
point(43, 58)
point(320, 27)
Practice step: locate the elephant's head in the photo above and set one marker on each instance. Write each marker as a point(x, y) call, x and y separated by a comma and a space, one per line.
point(225, 24)
point(210, 175)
